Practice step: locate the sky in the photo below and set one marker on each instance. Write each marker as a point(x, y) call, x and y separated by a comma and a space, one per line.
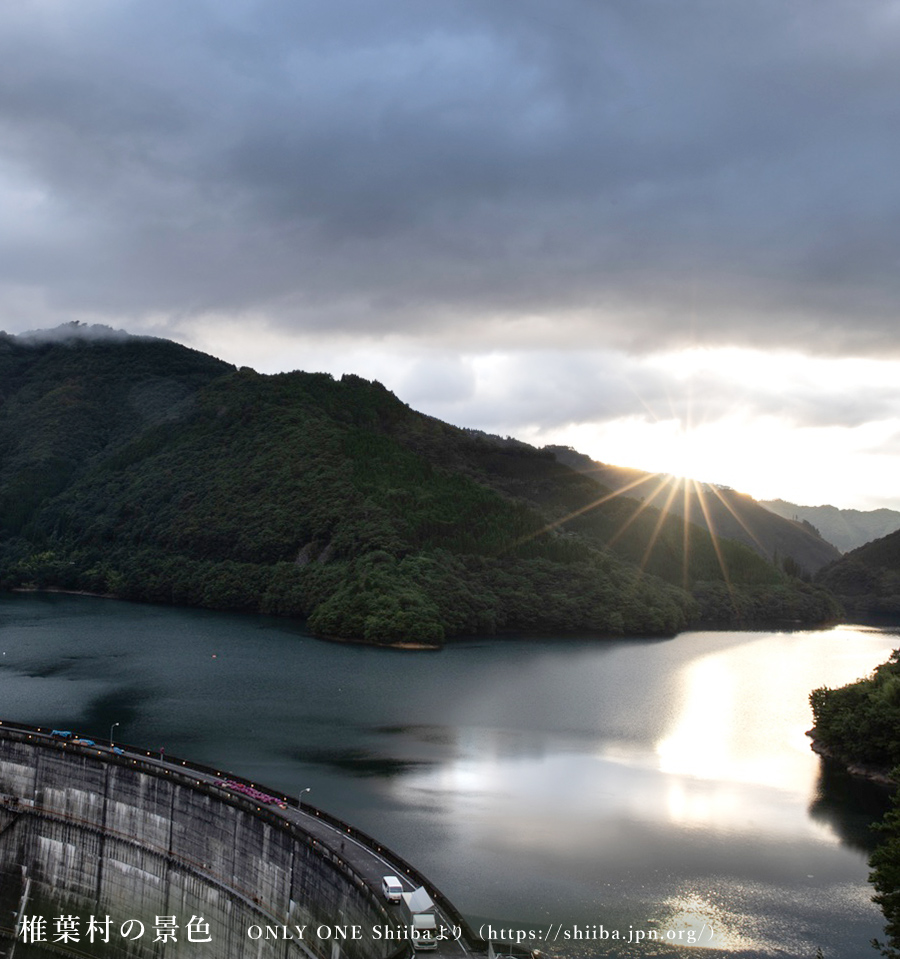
point(665, 233)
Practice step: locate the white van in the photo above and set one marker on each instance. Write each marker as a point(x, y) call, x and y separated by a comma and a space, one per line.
point(393, 891)
point(424, 931)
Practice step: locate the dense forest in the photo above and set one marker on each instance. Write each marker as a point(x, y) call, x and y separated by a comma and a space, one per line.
point(140, 468)
point(859, 724)
point(867, 579)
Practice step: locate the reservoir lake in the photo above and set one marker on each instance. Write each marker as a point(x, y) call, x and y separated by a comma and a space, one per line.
point(576, 786)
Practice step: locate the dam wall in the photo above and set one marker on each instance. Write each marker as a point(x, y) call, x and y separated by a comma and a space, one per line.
point(86, 831)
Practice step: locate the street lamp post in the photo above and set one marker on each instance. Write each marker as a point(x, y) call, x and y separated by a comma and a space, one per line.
point(111, 728)
point(300, 797)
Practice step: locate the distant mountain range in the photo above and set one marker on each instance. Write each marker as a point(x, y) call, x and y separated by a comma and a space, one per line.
point(139, 468)
point(846, 528)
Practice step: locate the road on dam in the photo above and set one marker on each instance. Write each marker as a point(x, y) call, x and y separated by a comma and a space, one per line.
point(348, 848)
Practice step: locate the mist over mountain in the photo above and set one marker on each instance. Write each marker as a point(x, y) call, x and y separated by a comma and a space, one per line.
point(846, 528)
point(146, 470)
point(75, 332)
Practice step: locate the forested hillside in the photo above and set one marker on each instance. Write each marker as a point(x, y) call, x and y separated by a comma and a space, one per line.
point(796, 545)
point(868, 579)
point(62, 405)
point(143, 469)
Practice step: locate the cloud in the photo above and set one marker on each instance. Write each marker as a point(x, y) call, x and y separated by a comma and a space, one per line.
point(627, 175)
point(515, 392)
point(530, 392)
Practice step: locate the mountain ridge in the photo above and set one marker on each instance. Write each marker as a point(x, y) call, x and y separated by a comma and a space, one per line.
point(730, 514)
point(144, 469)
point(847, 529)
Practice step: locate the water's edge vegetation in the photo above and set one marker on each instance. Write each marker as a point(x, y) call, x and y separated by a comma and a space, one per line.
point(146, 470)
point(858, 725)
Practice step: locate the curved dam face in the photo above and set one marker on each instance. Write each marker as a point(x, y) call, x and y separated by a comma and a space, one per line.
point(90, 832)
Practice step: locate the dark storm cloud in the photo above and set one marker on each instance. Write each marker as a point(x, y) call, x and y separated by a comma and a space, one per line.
point(648, 174)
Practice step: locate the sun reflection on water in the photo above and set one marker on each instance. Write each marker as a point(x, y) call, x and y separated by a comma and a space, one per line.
point(694, 921)
point(701, 740)
point(737, 704)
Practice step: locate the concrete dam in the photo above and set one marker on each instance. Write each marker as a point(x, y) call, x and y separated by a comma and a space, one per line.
point(203, 866)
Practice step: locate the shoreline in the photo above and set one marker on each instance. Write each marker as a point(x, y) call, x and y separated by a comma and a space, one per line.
point(65, 592)
point(58, 590)
point(879, 775)
point(413, 646)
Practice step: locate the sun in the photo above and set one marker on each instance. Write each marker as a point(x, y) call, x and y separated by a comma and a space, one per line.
point(679, 450)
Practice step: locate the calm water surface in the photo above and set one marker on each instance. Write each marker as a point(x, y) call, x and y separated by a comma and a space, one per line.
point(660, 785)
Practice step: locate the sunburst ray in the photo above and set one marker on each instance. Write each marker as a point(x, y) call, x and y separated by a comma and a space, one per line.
point(714, 536)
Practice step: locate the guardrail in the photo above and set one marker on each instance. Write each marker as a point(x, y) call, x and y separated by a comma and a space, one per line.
point(179, 770)
point(174, 764)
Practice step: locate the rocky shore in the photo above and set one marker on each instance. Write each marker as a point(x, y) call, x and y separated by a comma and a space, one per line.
point(874, 774)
